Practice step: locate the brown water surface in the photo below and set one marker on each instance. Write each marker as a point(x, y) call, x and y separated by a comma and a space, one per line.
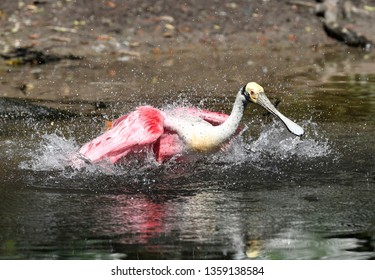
point(271, 196)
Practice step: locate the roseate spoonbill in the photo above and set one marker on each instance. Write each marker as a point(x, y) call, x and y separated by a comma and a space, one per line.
point(177, 131)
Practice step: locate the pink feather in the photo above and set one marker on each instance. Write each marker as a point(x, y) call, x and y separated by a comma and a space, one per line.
point(143, 129)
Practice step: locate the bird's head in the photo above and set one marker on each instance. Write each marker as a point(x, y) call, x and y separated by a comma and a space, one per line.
point(254, 93)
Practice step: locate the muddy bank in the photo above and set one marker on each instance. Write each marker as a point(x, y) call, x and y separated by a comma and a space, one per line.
point(134, 50)
point(137, 27)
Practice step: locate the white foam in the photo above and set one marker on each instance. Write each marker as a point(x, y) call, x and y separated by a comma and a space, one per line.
point(55, 152)
point(276, 141)
point(52, 153)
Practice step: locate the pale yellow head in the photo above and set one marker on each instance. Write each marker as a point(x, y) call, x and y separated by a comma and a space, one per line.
point(253, 90)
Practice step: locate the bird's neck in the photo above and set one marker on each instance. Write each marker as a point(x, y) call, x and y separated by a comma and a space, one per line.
point(229, 127)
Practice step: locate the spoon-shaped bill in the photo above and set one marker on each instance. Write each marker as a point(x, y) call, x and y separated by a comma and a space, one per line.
point(290, 125)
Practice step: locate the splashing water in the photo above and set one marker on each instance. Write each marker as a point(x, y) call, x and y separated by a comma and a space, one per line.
point(274, 143)
point(57, 153)
point(53, 153)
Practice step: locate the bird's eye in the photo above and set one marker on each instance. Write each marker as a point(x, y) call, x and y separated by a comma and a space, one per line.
point(252, 93)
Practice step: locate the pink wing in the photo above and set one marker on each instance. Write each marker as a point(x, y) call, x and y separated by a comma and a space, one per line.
point(139, 129)
point(130, 133)
point(170, 144)
point(213, 118)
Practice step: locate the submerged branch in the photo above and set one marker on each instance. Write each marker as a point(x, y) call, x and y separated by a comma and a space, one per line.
point(332, 11)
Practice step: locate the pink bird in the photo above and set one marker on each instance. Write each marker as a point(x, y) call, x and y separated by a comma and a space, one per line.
point(175, 132)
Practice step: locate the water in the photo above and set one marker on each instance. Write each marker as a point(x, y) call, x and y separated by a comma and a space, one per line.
point(269, 196)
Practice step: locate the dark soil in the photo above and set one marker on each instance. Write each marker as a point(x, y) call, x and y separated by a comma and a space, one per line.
point(136, 27)
point(77, 51)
